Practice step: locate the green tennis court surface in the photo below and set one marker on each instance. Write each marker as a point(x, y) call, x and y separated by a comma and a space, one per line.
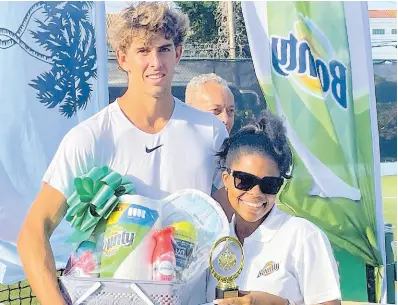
point(389, 193)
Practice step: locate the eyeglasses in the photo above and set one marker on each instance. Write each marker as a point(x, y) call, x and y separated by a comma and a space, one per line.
point(245, 182)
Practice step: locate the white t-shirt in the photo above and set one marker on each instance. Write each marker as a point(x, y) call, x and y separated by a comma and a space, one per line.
point(288, 257)
point(180, 156)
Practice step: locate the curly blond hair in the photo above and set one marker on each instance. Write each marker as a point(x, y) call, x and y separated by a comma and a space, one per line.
point(144, 20)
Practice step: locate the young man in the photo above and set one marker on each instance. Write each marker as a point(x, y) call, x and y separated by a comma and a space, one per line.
point(210, 92)
point(157, 141)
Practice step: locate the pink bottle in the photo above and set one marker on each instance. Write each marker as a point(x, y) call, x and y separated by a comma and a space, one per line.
point(163, 258)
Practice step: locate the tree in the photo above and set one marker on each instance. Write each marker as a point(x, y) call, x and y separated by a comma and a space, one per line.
point(209, 25)
point(204, 28)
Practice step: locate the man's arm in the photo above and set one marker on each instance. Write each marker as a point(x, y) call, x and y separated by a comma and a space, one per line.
point(221, 197)
point(34, 248)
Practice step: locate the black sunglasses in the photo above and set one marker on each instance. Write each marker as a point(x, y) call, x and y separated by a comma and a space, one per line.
point(245, 182)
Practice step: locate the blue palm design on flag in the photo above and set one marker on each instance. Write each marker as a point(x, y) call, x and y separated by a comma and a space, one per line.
point(67, 39)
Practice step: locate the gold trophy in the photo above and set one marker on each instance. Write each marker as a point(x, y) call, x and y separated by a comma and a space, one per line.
point(227, 262)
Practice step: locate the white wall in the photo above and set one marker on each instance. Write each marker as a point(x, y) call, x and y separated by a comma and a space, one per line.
point(388, 168)
point(388, 24)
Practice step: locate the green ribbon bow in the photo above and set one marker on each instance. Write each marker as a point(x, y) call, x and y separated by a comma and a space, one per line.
point(94, 199)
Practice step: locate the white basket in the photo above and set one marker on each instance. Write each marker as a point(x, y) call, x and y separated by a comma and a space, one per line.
point(97, 291)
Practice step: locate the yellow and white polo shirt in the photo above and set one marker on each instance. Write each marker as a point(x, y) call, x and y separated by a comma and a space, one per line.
point(289, 257)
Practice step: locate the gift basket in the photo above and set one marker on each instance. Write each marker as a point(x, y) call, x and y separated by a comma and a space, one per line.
point(132, 249)
point(119, 292)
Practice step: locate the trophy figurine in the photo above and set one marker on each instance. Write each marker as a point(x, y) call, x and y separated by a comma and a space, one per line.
point(226, 268)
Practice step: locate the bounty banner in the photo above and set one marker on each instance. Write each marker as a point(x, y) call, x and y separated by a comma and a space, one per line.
point(313, 62)
point(53, 75)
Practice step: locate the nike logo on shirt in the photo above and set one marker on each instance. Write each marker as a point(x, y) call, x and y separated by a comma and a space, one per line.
point(152, 149)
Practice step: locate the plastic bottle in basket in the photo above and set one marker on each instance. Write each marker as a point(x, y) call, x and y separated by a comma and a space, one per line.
point(163, 259)
point(185, 238)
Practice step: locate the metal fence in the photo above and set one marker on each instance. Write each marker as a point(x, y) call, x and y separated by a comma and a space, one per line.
point(249, 98)
point(239, 73)
point(198, 50)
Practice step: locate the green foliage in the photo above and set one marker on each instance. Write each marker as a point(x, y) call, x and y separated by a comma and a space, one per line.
point(208, 25)
point(242, 42)
point(201, 14)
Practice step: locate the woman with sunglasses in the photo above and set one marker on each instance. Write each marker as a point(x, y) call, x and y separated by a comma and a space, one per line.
point(288, 260)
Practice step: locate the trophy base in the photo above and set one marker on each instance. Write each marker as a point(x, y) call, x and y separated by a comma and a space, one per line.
point(227, 293)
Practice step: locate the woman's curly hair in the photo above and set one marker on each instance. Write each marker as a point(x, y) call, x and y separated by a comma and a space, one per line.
point(266, 137)
point(143, 20)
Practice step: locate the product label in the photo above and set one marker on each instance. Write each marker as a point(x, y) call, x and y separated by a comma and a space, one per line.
point(125, 229)
point(117, 238)
point(164, 271)
point(166, 268)
point(183, 251)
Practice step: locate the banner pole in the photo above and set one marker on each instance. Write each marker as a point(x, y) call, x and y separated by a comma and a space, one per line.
point(376, 155)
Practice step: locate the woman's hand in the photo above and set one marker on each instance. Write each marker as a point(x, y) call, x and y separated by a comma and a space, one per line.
point(261, 298)
point(245, 300)
point(253, 298)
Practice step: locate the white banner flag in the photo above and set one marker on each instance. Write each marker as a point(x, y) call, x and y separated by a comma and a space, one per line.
point(53, 75)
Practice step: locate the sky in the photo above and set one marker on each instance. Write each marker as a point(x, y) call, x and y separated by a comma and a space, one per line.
point(117, 6)
point(374, 5)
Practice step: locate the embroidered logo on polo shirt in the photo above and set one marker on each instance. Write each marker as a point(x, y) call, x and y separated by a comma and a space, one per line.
point(269, 268)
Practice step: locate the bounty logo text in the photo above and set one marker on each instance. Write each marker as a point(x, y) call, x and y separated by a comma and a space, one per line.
point(113, 242)
point(269, 268)
point(291, 56)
